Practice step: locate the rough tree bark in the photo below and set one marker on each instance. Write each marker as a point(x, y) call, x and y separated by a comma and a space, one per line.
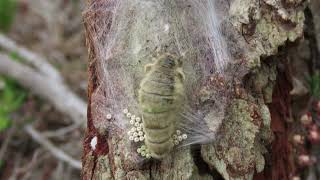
point(254, 136)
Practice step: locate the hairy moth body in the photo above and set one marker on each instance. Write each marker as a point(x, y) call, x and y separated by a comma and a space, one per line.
point(161, 97)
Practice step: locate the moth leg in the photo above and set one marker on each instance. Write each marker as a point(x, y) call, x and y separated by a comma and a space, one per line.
point(180, 74)
point(179, 60)
point(147, 67)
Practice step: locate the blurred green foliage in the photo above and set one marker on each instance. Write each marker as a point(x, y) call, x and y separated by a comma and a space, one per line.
point(1, 164)
point(314, 85)
point(8, 10)
point(12, 96)
point(15, 56)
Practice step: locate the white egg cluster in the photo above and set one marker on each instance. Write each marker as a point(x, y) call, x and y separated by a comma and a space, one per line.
point(144, 152)
point(178, 137)
point(136, 133)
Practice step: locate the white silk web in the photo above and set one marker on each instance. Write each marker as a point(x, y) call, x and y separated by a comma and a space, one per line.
point(126, 35)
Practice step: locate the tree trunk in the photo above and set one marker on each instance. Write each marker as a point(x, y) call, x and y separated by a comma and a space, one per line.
point(252, 138)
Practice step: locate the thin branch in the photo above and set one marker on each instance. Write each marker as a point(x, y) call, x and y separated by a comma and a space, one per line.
point(56, 152)
point(62, 131)
point(62, 98)
point(36, 60)
point(6, 142)
point(27, 169)
point(15, 170)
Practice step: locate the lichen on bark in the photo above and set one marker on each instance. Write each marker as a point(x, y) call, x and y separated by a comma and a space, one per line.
point(265, 26)
point(238, 153)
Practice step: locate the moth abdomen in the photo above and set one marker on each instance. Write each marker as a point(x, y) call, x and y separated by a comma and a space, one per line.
point(159, 135)
point(153, 119)
point(158, 89)
point(159, 151)
point(166, 79)
point(161, 96)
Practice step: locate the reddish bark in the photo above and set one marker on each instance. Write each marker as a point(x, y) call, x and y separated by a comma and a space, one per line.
point(282, 166)
point(88, 158)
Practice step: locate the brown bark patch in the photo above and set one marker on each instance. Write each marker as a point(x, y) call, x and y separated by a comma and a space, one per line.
point(281, 151)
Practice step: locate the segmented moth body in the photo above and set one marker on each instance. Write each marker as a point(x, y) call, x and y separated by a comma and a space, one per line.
point(161, 96)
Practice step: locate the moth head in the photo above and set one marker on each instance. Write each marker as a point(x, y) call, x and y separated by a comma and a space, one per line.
point(166, 60)
point(169, 61)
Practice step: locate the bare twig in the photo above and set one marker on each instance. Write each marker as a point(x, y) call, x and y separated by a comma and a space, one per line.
point(34, 59)
point(56, 152)
point(62, 131)
point(26, 170)
point(6, 142)
point(63, 99)
point(15, 170)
